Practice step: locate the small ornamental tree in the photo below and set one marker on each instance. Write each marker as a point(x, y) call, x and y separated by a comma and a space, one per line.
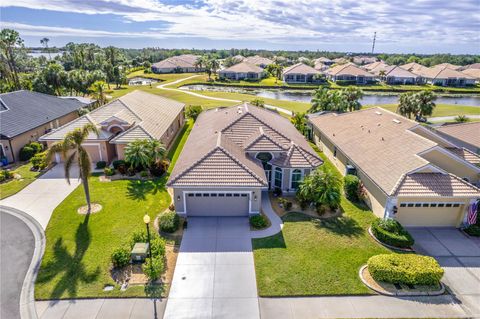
point(321, 188)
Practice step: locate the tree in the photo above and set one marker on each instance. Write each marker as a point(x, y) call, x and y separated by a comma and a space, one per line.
point(461, 119)
point(321, 188)
point(382, 75)
point(299, 121)
point(406, 104)
point(157, 150)
point(425, 104)
point(213, 66)
point(71, 148)
point(45, 41)
point(351, 96)
point(10, 41)
point(258, 102)
point(193, 111)
point(98, 92)
point(138, 154)
point(326, 100)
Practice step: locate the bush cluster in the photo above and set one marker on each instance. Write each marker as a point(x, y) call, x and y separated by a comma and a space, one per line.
point(391, 232)
point(286, 204)
point(120, 257)
point(351, 186)
point(153, 268)
point(258, 221)
point(117, 163)
point(405, 269)
point(101, 164)
point(39, 160)
point(109, 171)
point(29, 150)
point(168, 221)
point(5, 175)
point(473, 230)
point(193, 111)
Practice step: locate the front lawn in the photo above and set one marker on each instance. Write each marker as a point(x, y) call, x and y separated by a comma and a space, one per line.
point(316, 257)
point(76, 263)
point(15, 185)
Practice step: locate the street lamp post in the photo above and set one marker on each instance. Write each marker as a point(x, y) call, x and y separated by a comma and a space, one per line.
point(146, 220)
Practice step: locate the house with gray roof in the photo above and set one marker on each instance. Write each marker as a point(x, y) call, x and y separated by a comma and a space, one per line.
point(27, 115)
point(232, 155)
point(242, 71)
point(136, 115)
point(184, 63)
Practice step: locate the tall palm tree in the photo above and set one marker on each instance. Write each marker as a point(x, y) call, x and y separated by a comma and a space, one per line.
point(382, 75)
point(278, 72)
point(98, 92)
point(71, 148)
point(45, 41)
point(214, 65)
point(425, 103)
point(157, 150)
point(406, 104)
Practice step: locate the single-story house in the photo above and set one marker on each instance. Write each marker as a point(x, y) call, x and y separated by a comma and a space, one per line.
point(444, 76)
point(185, 63)
point(349, 72)
point(301, 73)
point(448, 65)
point(474, 73)
point(414, 67)
point(471, 66)
point(410, 173)
point(27, 115)
point(324, 60)
point(232, 155)
point(136, 115)
point(340, 60)
point(258, 61)
point(393, 74)
point(464, 135)
point(364, 59)
point(375, 65)
point(242, 71)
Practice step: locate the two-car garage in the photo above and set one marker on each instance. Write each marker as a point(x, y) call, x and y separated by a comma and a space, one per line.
point(217, 203)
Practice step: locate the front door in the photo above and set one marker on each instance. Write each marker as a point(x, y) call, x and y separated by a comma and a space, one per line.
point(265, 158)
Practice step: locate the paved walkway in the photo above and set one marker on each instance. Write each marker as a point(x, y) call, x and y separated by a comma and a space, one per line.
point(450, 118)
point(43, 195)
point(215, 275)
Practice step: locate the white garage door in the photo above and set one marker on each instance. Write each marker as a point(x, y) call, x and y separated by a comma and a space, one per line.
point(217, 204)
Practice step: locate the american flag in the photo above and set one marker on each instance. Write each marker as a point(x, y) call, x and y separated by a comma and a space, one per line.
point(472, 213)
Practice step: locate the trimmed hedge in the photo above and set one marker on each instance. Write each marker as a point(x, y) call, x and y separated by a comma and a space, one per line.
point(405, 269)
point(351, 184)
point(101, 164)
point(120, 257)
point(258, 221)
point(473, 230)
point(168, 222)
point(39, 160)
point(391, 232)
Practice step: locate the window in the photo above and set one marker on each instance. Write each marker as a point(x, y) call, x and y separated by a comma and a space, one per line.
point(206, 195)
point(425, 205)
point(228, 195)
point(190, 195)
point(441, 205)
point(236, 195)
point(244, 195)
point(448, 205)
point(410, 205)
point(221, 195)
point(278, 177)
point(433, 205)
point(296, 178)
point(198, 195)
point(403, 205)
point(213, 195)
point(418, 205)
point(456, 205)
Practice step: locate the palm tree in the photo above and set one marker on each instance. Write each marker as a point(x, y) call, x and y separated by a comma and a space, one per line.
point(45, 41)
point(406, 104)
point(425, 103)
point(71, 148)
point(98, 92)
point(138, 154)
point(278, 72)
point(214, 65)
point(382, 75)
point(351, 97)
point(298, 120)
point(157, 150)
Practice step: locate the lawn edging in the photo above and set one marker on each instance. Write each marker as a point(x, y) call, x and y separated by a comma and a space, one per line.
point(27, 297)
point(398, 293)
point(407, 250)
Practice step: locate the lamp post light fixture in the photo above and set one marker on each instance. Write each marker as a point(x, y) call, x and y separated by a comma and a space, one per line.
point(146, 220)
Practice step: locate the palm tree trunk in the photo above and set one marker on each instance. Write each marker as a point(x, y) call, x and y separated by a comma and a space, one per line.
point(87, 192)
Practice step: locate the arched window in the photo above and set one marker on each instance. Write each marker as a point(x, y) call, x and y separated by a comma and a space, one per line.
point(297, 176)
point(265, 158)
point(278, 177)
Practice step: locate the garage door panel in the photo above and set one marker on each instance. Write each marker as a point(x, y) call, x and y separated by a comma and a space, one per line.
point(217, 204)
point(434, 217)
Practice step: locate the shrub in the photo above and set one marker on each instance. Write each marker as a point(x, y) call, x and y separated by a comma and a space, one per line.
point(345, 82)
point(120, 257)
point(109, 171)
point(405, 269)
point(37, 147)
point(158, 168)
point(168, 222)
point(153, 268)
point(101, 164)
point(5, 175)
point(258, 221)
point(277, 191)
point(116, 164)
point(287, 205)
point(258, 102)
point(473, 230)
point(38, 160)
point(26, 153)
point(193, 111)
point(351, 185)
point(158, 246)
point(144, 174)
point(391, 232)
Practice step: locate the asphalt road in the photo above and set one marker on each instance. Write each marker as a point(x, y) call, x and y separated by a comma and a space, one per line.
point(16, 250)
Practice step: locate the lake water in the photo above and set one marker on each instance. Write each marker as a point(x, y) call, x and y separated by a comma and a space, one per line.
point(37, 54)
point(306, 96)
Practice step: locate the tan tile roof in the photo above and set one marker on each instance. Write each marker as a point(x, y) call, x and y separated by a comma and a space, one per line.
point(472, 66)
point(466, 132)
point(226, 133)
point(258, 60)
point(448, 65)
point(300, 68)
point(340, 60)
point(262, 142)
point(378, 142)
point(399, 72)
point(435, 185)
point(474, 73)
point(298, 158)
point(371, 66)
point(243, 67)
point(364, 59)
point(323, 60)
point(414, 67)
point(467, 155)
point(348, 69)
point(182, 61)
point(442, 73)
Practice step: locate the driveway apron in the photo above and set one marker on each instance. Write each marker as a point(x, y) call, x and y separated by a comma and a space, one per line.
point(214, 276)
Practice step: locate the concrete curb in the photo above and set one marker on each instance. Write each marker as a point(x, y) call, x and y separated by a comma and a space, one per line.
point(27, 298)
point(400, 294)
point(405, 250)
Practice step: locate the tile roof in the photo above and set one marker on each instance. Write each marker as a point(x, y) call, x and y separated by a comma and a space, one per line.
point(466, 132)
point(181, 61)
point(399, 72)
point(323, 60)
point(448, 65)
point(474, 73)
point(21, 111)
point(435, 185)
point(467, 155)
point(442, 73)
point(225, 134)
point(378, 142)
point(148, 115)
point(374, 65)
point(297, 157)
point(413, 67)
point(348, 69)
point(471, 66)
point(243, 67)
point(300, 68)
point(258, 60)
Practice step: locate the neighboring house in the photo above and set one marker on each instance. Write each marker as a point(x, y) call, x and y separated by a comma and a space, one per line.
point(349, 72)
point(448, 65)
point(340, 61)
point(232, 155)
point(185, 63)
point(375, 65)
point(301, 73)
point(471, 66)
point(242, 71)
point(444, 76)
point(136, 115)
point(414, 67)
point(27, 115)
point(258, 61)
point(474, 73)
point(393, 74)
point(465, 135)
point(324, 60)
point(364, 59)
point(410, 173)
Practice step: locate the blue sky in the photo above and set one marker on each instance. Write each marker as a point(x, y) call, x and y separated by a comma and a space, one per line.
point(406, 26)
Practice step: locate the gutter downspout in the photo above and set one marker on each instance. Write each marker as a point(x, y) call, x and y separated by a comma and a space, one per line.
point(11, 150)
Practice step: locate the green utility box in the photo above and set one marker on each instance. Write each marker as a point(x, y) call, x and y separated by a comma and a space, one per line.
point(139, 252)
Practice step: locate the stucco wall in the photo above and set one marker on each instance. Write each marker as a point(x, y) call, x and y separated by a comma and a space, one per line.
point(169, 136)
point(451, 165)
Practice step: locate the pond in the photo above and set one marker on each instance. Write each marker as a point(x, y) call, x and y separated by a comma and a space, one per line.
point(306, 96)
point(138, 80)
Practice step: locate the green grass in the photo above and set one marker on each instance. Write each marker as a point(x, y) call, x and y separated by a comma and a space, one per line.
point(14, 186)
point(442, 109)
point(76, 263)
point(316, 257)
point(177, 147)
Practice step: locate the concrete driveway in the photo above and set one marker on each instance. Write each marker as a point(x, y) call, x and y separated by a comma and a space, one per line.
point(43, 195)
point(459, 255)
point(215, 275)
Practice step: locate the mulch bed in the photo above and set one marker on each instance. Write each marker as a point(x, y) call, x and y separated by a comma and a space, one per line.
point(280, 211)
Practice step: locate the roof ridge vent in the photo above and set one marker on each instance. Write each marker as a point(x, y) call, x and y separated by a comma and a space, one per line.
point(219, 138)
point(378, 112)
point(396, 121)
